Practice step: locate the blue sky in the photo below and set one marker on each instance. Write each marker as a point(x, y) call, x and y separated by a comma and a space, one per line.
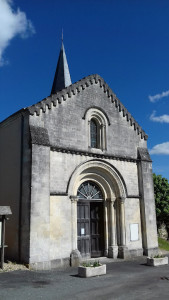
point(126, 42)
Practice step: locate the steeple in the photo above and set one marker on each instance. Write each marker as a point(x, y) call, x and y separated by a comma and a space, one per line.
point(62, 76)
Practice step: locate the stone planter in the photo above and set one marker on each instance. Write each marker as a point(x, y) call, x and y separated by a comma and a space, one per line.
point(91, 271)
point(155, 262)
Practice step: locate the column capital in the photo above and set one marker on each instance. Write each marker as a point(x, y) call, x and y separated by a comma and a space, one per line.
point(112, 199)
point(73, 199)
point(121, 199)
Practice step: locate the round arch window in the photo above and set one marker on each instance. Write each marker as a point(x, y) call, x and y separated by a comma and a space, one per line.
point(94, 134)
point(88, 190)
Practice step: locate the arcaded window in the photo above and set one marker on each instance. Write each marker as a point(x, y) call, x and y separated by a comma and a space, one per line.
point(97, 121)
point(97, 129)
point(94, 133)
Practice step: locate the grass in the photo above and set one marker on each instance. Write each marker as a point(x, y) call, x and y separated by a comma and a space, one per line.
point(163, 244)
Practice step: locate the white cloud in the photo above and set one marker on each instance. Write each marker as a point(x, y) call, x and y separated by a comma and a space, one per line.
point(161, 119)
point(157, 97)
point(12, 23)
point(160, 149)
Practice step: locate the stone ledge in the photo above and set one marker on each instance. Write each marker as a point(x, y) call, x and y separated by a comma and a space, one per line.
point(87, 153)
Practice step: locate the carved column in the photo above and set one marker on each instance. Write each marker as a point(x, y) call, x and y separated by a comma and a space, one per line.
point(105, 228)
point(113, 249)
point(122, 221)
point(89, 134)
point(75, 254)
point(123, 251)
point(103, 136)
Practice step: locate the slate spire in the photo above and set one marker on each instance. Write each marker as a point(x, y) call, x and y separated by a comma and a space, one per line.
point(62, 76)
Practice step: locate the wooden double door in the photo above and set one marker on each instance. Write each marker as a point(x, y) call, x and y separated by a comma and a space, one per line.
point(90, 228)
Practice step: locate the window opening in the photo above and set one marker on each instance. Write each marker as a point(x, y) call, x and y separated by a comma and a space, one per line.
point(94, 134)
point(90, 191)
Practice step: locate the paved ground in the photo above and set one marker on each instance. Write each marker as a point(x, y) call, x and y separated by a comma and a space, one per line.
point(124, 280)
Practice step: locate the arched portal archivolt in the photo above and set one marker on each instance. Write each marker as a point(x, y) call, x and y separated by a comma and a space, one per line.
point(113, 188)
point(104, 174)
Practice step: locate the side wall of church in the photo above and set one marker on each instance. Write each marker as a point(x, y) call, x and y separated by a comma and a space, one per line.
point(10, 180)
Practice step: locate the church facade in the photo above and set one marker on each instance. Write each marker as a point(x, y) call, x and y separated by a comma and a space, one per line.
point(77, 175)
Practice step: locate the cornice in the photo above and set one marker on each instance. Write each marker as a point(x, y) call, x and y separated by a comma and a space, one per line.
point(90, 154)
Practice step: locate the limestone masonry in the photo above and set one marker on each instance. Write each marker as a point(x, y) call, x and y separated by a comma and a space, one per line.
point(76, 172)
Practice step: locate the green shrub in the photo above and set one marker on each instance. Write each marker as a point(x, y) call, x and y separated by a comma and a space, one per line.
point(163, 244)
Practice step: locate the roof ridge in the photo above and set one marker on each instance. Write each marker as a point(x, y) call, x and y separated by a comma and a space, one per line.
point(81, 85)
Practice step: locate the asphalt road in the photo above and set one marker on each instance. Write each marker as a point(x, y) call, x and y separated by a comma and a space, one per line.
point(124, 280)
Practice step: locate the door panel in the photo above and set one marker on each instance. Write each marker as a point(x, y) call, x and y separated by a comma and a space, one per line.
point(83, 228)
point(96, 229)
point(90, 228)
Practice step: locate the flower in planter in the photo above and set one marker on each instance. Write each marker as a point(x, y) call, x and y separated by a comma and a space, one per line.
point(157, 260)
point(158, 256)
point(90, 269)
point(90, 264)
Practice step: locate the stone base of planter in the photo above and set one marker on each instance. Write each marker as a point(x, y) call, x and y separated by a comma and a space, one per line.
point(91, 271)
point(155, 262)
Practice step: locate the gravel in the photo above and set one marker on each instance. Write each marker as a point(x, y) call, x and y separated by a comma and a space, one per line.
point(12, 266)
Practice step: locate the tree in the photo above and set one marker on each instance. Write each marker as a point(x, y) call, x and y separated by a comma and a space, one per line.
point(161, 193)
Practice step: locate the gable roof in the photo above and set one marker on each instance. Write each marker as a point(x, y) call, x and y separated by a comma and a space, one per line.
point(76, 88)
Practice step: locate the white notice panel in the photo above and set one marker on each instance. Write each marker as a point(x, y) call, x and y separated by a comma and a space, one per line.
point(0, 231)
point(133, 232)
point(82, 231)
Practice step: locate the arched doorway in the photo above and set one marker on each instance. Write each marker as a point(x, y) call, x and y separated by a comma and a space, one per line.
point(90, 220)
point(111, 186)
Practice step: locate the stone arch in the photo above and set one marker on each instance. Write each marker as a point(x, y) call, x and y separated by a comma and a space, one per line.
point(102, 122)
point(114, 191)
point(92, 109)
point(107, 177)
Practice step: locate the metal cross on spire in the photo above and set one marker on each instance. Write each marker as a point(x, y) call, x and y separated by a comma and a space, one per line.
point(62, 35)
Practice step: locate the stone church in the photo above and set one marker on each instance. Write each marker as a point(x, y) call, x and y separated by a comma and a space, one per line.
point(76, 172)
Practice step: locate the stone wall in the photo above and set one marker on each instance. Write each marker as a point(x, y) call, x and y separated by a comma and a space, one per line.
point(67, 127)
point(132, 216)
point(60, 227)
point(40, 205)
point(147, 205)
point(63, 165)
point(10, 181)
